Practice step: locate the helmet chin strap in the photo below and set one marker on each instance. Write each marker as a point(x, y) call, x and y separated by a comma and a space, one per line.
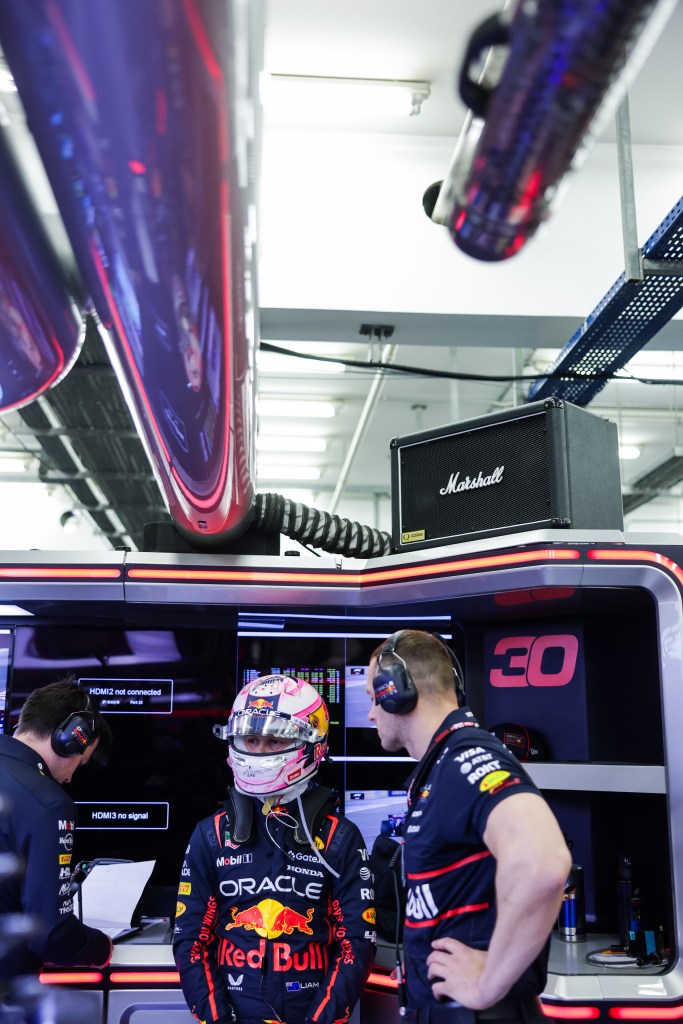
point(284, 796)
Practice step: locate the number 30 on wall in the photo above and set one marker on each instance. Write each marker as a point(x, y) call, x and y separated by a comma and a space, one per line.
point(523, 660)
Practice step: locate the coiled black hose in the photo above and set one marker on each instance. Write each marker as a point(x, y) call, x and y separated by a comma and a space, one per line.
point(275, 513)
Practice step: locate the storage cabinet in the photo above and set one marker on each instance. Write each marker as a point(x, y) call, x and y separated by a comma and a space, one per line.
point(584, 675)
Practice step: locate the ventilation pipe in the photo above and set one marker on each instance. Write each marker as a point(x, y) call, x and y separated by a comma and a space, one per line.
point(567, 66)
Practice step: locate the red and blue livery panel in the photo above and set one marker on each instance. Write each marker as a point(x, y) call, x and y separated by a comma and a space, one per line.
point(144, 117)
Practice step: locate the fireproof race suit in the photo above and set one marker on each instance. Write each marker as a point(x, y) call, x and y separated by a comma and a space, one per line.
point(263, 927)
point(39, 826)
point(450, 872)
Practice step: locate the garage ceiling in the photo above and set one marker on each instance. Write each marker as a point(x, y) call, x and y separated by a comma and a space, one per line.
point(82, 436)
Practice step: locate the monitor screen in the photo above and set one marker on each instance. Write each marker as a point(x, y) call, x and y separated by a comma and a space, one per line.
point(161, 692)
point(336, 664)
point(376, 811)
point(6, 640)
point(321, 659)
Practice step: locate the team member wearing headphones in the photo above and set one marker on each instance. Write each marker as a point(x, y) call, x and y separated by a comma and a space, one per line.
point(275, 918)
point(58, 731)
point(484, 859)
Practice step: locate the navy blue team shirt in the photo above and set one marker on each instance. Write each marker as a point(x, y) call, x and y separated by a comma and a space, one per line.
point(39, 827)
point(449, 870)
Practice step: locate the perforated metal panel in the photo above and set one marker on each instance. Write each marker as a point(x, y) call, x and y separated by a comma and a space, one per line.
point(625, 319)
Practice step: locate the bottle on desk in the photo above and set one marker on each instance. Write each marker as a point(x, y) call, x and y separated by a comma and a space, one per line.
point(629, 904)
point(571, 923)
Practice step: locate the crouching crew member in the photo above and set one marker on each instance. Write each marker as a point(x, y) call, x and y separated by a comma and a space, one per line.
point(275, 916)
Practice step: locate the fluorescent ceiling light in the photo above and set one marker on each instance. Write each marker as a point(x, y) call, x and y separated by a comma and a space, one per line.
point(271, 427)
point(273, 362)
point(542, 358)
point(280, 472)
point(14, 462)
point(298, 408)
point(290, 444)
point(330, 97)
point(629, 451)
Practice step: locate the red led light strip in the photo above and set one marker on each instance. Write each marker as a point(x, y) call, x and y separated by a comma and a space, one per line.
point(382, 980)
point(354, 578)
point(43, 572)
point(144, 977)
point(71, 978)
point(646, 1012)
point(570, 1012)
point(610, 555)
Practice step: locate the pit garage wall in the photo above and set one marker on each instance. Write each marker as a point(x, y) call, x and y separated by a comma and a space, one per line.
point(141, 585)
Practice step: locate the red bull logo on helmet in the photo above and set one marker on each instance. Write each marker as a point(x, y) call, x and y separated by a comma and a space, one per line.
point(270, 919)
point(260, 702)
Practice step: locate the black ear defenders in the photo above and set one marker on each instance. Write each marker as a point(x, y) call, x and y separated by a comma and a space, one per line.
point(395, 691)
point(393, 685)
point(76, 732)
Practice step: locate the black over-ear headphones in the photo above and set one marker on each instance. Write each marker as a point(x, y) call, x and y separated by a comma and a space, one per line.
point(457, 672)
point(75, 734)
point(395, 691)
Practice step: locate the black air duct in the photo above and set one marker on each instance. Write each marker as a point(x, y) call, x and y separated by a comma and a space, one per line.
point(275, 514)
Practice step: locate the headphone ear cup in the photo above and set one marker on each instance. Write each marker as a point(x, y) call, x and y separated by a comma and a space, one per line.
point(395, 691)
point(74, 735)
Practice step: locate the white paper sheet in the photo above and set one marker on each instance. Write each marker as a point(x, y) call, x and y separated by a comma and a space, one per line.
point(111, 893)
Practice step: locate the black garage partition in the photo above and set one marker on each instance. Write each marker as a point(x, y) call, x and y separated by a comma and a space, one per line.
point(579, 640)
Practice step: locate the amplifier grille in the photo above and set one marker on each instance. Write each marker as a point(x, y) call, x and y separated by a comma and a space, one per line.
point(522, 496)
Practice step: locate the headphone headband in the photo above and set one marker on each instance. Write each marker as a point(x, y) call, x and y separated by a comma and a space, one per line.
point(394, 688)
point(390, 645)
point(457, 670)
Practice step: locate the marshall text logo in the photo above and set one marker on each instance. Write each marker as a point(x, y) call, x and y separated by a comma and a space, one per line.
point(471, 483)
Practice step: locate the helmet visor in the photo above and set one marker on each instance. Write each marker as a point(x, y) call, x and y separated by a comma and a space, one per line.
point(254, 722)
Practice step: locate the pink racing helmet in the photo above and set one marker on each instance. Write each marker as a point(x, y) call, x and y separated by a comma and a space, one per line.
point(284, 708)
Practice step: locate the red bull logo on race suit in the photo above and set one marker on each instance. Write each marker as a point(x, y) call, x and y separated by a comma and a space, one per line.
point(280, 955)
point(270, 919)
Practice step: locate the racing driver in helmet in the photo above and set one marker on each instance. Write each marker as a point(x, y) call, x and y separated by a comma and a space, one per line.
point(275, 915)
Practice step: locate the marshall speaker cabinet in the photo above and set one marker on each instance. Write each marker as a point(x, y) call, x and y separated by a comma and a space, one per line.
point(543, 465)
